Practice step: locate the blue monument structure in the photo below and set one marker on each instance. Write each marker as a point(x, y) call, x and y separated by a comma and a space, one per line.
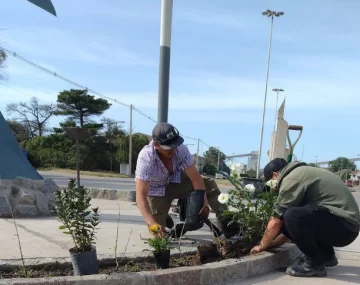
point(23, 191)
point(14, 162)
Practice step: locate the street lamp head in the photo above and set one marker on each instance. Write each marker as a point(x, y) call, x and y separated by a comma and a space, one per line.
point(270, 13)
point(278, 90)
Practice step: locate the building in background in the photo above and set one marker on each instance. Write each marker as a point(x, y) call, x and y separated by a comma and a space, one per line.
point(201, 162)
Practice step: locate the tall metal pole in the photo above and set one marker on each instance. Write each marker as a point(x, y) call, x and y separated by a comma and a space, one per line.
point(130, 142)
point(266, 85)
point(197, 155)
point(269, 14)
point(164, 69)
point(218, 160)
point(78, 162)
point(110, 157)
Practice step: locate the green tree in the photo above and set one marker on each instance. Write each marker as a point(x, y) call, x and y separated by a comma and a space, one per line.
point(20, 130)
point(209, 169)
point(112, 128)
point(341, 163)
point(312, 165)
point(80, 106)
point(33, 114)
point(138, 142)
point(212, 155)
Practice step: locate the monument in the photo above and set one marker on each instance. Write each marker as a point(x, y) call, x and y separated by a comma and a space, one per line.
point(23, 191)
point(279, 136)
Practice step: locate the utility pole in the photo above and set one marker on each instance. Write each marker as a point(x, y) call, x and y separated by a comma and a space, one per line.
point(130, 141)
point(197, 155)
point(271, 15)
point(164, 69)
point(218, 159)
point(277, 90)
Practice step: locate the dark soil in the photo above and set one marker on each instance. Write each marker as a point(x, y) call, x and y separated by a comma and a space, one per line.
point(211, 252)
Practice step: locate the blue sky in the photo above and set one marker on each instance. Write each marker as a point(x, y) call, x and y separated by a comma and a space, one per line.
point(218, 64)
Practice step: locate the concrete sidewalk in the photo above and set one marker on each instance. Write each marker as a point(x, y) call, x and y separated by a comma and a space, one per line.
point(347, 272)
point(40, 237)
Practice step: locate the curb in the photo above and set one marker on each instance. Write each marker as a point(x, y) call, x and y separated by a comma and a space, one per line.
point(208, 274)
point(111, 194)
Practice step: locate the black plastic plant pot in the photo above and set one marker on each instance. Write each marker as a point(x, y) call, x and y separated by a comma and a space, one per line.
point(162, 259)
point(84, 263)
point(194, 204)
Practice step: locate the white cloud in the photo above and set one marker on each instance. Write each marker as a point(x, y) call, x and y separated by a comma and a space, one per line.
point(215, 19)
point(12, 94)
point(54, 43)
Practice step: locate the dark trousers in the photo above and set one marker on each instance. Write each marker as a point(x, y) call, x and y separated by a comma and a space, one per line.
point(315, 230)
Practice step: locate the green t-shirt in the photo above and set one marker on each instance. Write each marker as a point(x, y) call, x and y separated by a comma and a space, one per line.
point(301, 185)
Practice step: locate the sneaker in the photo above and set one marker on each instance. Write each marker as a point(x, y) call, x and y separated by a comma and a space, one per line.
point(329, 262)
point(304, 269)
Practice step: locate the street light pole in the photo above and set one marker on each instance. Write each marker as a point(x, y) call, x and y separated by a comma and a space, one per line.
point(164, 70)
point(269, 14)
point(277, 90)
point(130, 142)
point(197, 155)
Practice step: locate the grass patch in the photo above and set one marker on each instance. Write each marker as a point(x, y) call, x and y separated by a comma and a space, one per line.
point(223, 182)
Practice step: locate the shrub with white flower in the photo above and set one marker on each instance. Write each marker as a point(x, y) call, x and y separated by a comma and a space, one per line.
point(272, 183)
point(223, 198)
point(250, 188)
point(253, 213)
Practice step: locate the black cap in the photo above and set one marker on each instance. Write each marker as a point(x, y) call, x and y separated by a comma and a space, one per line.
point(167, 136)
point(274, 166)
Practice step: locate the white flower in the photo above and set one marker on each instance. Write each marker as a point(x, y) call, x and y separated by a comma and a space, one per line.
point(272, 183)
point(223, 198)
point(250, 188)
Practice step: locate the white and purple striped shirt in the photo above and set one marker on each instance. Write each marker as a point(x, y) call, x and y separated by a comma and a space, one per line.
point(150, 168)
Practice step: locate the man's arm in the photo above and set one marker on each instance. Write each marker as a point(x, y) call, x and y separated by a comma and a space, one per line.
point(195, 177)
point(279, 240)
point(142, 190)
point(272, 230)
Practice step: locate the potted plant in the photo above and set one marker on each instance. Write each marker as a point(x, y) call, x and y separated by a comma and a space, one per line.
point(72, 207)
point(161, 248)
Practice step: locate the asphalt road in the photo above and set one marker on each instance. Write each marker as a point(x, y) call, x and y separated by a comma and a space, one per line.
point(121, 184)
point(62, 179)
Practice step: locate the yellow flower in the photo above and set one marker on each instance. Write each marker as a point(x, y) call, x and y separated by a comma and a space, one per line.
point(155, 228)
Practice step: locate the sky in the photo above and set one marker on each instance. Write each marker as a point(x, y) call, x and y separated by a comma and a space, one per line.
point(219, 55)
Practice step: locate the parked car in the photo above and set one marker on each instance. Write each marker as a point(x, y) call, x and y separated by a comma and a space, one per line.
point(349, 183)
point(219, 176)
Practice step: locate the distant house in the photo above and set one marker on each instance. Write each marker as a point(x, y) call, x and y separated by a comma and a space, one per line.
point(201, 162)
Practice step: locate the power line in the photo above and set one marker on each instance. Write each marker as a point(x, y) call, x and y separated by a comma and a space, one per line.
point(148, 117)
point(60, 76)
point(50, 72)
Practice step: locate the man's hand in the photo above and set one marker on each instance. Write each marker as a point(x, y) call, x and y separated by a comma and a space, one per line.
point(256, 249)
point(157, 230)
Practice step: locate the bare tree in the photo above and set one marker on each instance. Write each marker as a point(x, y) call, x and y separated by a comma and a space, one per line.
point(2, 60)
point(33, 114)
